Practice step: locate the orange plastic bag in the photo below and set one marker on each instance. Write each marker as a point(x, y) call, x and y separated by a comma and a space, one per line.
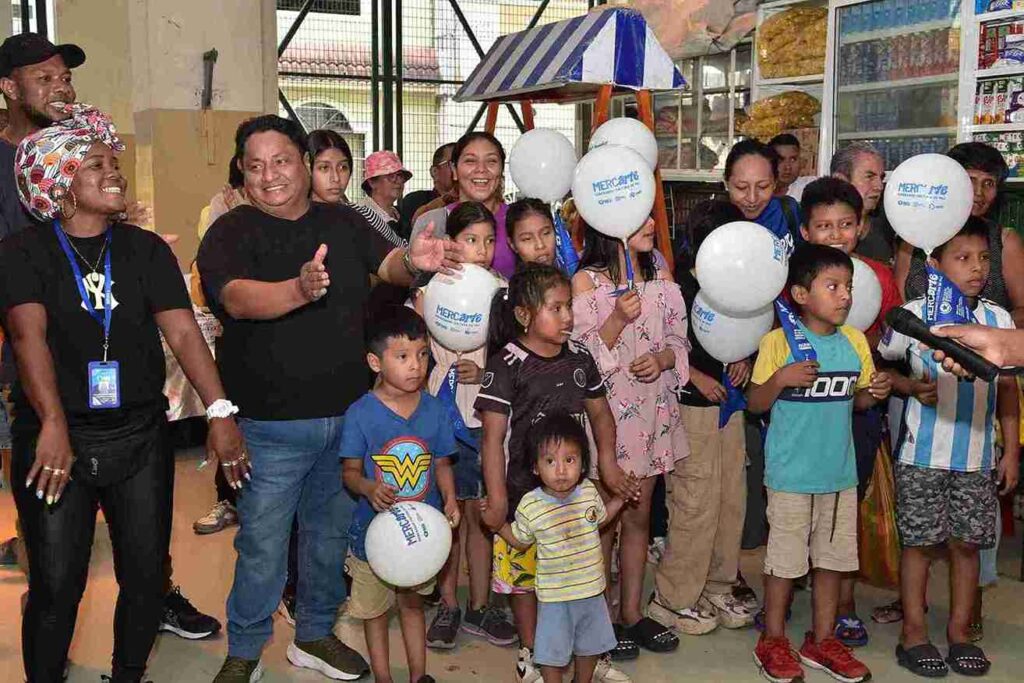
point(878, 542)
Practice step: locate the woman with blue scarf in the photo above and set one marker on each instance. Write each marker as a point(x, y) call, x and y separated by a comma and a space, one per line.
point(751, 172)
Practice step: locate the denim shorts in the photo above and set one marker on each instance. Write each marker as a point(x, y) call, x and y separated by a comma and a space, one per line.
point(469, 477)
point(577, 627)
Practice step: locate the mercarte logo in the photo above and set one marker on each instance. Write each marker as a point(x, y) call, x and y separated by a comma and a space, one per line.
point(617, 188)
point(412, 532)
point(459, 317)
point(922, 195)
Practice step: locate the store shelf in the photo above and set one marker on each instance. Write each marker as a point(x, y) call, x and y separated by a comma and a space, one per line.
point(881, 34)
point(986, 17)
point(899, 133)
point(903, 83)
point(996, 127)
point(792, 80)
point(1000, 72)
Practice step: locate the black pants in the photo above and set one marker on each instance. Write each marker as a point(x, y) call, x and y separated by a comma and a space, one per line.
point(59, 540)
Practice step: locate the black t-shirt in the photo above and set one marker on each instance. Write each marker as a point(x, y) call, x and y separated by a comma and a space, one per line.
point(411, 202)
point(309, 363)
point(880, 241)
point(519, 383)
point(146, 280)
point(699, 358)
point(13, 217)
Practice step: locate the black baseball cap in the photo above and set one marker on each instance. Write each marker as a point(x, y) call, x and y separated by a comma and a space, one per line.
point(31, 48)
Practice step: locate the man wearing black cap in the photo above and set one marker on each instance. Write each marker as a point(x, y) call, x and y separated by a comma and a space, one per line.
point(35, 75)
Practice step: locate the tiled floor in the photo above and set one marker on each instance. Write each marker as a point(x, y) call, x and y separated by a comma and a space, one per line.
point(204, 565)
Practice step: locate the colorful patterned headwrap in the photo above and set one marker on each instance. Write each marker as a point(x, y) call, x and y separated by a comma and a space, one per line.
point(46, 161)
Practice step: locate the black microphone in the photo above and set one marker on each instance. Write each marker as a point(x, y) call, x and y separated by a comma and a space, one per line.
point(905, 322)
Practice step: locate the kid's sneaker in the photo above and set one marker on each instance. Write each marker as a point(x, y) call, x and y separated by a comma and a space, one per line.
point(833, 658)
point(777, 661)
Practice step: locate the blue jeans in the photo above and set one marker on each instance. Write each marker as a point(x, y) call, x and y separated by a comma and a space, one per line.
point(296, 472)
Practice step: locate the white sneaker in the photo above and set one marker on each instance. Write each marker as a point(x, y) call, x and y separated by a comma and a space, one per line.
point(609, 674)
point(731, 612)
point(693, 621)
point(220, 517)
point(526, 672)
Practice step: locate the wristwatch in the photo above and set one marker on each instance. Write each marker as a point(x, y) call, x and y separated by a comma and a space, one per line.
point(407, 262)
point(221, 408)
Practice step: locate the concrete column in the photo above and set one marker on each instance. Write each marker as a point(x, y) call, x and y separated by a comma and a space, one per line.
point(145, 67)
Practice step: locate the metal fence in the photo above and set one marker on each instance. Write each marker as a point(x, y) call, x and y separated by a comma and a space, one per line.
point(383, 72)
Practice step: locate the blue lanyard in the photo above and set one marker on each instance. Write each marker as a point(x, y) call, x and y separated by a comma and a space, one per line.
point(86, 301)
point(799, 345)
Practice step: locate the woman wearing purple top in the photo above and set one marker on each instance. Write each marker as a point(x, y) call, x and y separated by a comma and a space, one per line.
point(478, 162)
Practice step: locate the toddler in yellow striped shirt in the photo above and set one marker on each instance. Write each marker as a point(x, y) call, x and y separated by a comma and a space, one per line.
point(563, 516)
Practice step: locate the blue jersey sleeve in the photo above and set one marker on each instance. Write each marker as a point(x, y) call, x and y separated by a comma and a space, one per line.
point(353, 438)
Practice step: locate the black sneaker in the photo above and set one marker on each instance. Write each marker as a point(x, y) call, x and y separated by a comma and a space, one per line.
point(329, 656)
point(9, 552)
point(441, 634)
point(238, 670)
point(490, 623)
point(287, 608)
point(182, 619)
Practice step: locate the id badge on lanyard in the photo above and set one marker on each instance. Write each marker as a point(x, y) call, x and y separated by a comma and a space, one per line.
point(104, 388)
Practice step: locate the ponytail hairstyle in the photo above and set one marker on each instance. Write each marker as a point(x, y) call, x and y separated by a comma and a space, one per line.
point(601, 252)
point(524, 208)
point(467, 214)
point(527, 289)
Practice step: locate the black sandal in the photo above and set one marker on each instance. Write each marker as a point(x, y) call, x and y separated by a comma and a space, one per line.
point(923, 660)
point(626, 648)
point(967, 659)
point(653, 636)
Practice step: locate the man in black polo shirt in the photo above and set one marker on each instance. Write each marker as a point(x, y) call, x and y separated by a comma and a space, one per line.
point(35, 74)
point(288, 278)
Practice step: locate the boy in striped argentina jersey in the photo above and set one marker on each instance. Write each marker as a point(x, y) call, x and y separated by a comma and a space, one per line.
point(945, 488)
point(562, 517)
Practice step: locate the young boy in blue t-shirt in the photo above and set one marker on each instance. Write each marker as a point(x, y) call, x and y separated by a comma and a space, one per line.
point(810, 470)
point(945, 461)
point(396, 444)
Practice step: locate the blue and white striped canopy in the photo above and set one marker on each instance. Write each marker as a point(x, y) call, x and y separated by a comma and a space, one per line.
point(571, 59)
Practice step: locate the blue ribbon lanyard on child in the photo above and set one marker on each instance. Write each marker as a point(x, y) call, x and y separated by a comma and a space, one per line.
point(799, 345)
point(446, 394)
point(565, 253)
point(104, 376)
point(944, 303)
point(735, 400)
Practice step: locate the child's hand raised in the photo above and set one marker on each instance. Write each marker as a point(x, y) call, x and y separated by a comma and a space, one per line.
point(382, 497)
point(469, 372)
point(881, 386)
point(627, 307)
point(800, 374)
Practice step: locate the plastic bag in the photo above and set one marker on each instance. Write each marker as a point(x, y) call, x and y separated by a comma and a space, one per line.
point(878, 542)
point(792, 42)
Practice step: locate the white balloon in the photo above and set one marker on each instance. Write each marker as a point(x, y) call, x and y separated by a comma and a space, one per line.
point(613, 190)
point(628, 133)
point(928, 199)
point(541, 163)
point(742, 267)
point(458, 310)
point(867, 296)
point(407, 544)
point(729, 338)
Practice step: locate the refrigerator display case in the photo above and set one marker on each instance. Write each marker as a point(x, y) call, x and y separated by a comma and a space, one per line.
point(892, 75)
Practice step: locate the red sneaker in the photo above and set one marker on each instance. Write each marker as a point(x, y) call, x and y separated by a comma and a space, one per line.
point(777, 661)
point(833, 658)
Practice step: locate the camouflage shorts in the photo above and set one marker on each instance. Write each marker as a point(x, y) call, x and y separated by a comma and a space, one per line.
point(934, 506)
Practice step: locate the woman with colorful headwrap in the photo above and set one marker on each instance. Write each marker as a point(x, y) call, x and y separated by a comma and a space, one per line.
point(84, 298)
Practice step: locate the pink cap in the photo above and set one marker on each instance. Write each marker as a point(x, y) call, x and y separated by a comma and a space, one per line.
point(384, 162)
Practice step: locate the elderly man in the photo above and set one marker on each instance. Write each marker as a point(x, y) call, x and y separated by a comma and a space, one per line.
point(861, 165)
point(288, 278)
point(35, 75)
